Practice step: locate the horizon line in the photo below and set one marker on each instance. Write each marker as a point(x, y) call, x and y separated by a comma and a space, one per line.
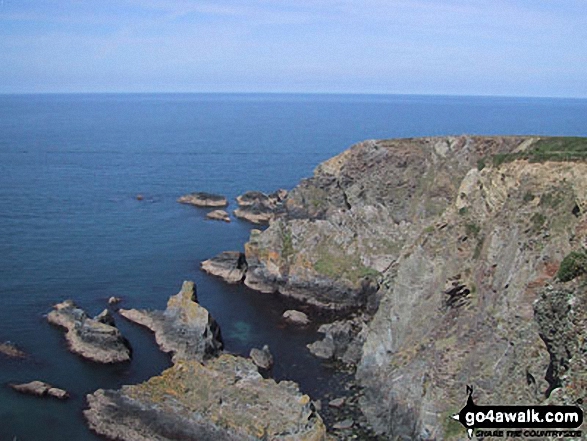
point(294, 93)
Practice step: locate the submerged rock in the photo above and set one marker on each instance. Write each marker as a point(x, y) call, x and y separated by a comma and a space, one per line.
point(231, 266)
point(225, 399)
point(220, 215)
point(40, 389)
point(262, 357)
point(94, 339)
point(10, 350)
point(202, 199)
point(185, 328)
point(296, 317)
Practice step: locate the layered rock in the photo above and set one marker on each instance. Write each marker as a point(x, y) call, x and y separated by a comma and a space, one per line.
point(95, 339)
point(259, 208)
point(447, 243)
point(231, 266)
point(203, 199)
point(185, 329)
point(40, 389)
point(226, 399)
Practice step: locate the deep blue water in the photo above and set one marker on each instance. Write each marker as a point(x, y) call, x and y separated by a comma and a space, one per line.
point(71, 227)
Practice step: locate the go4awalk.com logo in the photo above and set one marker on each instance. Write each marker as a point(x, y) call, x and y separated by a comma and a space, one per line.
point(520, 421)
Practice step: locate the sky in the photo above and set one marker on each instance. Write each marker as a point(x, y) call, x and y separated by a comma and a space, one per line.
point(447, 47)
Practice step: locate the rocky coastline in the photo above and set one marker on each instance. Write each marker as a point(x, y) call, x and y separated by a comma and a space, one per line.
point(440, 262)
point(440, 257)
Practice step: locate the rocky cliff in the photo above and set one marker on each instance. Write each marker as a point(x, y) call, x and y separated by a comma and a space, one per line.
point(449, 247)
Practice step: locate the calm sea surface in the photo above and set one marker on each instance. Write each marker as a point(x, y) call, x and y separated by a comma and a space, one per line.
point(71, 227)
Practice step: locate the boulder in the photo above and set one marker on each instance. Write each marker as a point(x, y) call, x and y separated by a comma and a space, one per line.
point(224, 400)
point(40, 389)
point(94, 339)
point(10, 350)
point(262, 357)
point(337, 403)
point(114, 300)
point(202, 199)
point(231, 266)
point(296, 317)
point(220, 215)
point(343, 340)
point(184, 329)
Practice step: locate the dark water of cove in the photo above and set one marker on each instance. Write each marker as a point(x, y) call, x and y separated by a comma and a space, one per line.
point(71, 227)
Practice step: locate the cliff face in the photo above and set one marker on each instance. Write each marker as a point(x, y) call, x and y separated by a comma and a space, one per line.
point(451, 246)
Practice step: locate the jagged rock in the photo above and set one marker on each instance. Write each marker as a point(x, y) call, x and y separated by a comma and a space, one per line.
point(114, 300)
point(262, 357)
point(185, 328)
point(226, 399)
point(11, 350)
point(296, 317)
point(202, 199)
point(40, 389)
point(105, 317)
point(343, 340)
point(90, 338)
point(228, 265)
point(220, 215)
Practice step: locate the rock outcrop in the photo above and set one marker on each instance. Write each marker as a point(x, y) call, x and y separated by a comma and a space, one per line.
point(202, 199)
point(95, 339)
point(226, 399)
point(231, 266)
point(343, 340)
point(40, 389)
point(259, 208)
point(220, 215)
point(262, 357)
point(185, 329)
point(448, 246)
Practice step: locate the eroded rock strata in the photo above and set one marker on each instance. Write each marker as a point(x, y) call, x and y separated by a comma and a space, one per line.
point(95, 339)
point(449, 247)
point(259, 208)
point(184, 329)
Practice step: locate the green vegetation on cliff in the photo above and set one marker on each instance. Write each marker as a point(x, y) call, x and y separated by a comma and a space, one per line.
point(572, 266)
point(546, 149)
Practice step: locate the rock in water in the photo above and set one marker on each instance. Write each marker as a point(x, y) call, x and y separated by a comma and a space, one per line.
point(218, 215)
point(114, 300)
point(91, 338)
point(185, 328)
point(224, 400)
point(262, 357)
point(40, 389)
point(202, 199)
point(11, 350)
point(296, 317)
point(228, 265)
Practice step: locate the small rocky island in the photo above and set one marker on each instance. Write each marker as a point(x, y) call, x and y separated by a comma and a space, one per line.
point(96, 339)
point(203, 199)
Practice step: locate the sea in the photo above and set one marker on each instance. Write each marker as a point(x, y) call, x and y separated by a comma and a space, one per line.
point(71, 226)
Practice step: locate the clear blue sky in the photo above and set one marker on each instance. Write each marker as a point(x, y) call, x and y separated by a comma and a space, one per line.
point(464, 47)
